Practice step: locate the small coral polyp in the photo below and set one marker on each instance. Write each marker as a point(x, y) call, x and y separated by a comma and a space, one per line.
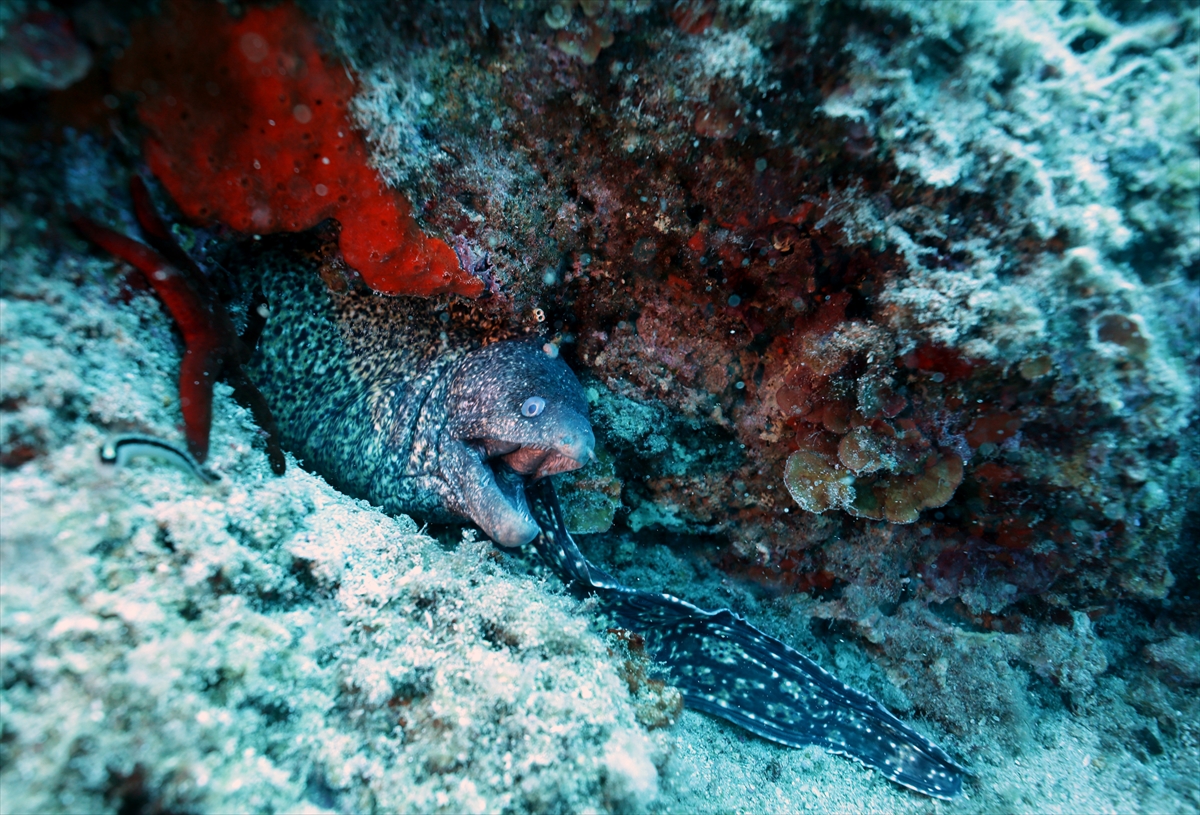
point(247, 126)
point(584, 38)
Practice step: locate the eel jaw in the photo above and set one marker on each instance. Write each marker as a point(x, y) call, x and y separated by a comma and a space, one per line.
point(511, 485)
point(493, 490)
point(493, 497)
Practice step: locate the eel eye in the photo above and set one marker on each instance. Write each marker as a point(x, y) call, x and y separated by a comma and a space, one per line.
point(533, 406)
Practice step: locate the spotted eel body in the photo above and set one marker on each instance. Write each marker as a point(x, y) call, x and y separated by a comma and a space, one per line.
point(402, 401)
point(728, 668)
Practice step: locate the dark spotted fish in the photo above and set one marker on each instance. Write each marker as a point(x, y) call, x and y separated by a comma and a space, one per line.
point(728, 668)
point(399, 401)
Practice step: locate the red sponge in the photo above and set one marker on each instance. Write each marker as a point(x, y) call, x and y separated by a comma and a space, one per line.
point(248, 126)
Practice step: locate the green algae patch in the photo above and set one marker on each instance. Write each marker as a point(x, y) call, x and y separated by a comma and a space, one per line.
point(590, 497)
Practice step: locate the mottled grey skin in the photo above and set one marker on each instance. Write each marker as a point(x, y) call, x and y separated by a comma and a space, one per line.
point(399, 401)
point(393, 403)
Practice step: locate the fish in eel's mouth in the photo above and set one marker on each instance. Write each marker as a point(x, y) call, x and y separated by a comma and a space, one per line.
point(512, 466)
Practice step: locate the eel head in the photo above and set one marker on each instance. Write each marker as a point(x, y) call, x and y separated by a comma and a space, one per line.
point(515, 413)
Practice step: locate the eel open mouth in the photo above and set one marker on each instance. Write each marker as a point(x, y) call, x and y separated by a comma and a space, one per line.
point(497, 504)
point(537, 462)
point(541, 463)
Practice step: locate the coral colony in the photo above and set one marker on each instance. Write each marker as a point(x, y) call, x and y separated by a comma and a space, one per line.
point(872, 324)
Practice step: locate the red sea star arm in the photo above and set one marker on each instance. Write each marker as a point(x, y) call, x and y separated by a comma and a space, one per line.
point(197, 372)
point(202, 359)
point(159, 236)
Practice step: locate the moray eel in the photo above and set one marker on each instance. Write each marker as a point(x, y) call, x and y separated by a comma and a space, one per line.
point(407, 403)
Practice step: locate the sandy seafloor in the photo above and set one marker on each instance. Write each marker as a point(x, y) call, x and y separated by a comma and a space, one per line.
point(267, 644)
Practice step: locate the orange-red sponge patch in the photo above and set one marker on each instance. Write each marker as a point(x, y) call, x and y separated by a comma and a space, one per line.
point(248, 127)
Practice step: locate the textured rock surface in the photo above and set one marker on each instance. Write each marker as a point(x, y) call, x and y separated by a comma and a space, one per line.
point(264, 644)
point(954, 232)
point(881, 239)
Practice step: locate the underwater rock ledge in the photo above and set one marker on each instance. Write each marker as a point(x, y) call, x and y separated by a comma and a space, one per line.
point(888, 316)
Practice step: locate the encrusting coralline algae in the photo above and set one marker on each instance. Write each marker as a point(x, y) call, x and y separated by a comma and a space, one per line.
point(882, 237)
